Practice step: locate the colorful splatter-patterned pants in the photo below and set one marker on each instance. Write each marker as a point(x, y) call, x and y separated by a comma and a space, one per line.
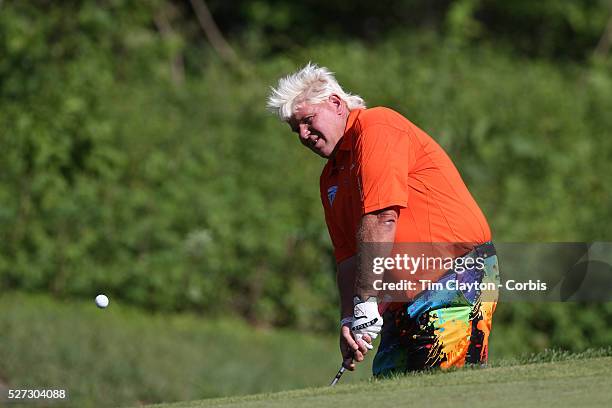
point(443, 328)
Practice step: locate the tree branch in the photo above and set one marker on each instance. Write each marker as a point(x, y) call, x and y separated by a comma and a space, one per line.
point(177, 66)
point(213, 34)
point(606, 39)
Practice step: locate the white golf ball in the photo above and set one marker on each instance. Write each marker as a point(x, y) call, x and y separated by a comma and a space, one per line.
point(101, 301)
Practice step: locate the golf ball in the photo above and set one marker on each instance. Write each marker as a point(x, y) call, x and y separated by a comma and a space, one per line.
point(101, 301)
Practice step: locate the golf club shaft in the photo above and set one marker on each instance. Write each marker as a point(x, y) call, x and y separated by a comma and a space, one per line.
point(337, 377)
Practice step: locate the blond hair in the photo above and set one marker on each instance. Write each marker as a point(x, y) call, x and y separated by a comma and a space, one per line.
point(311, 84)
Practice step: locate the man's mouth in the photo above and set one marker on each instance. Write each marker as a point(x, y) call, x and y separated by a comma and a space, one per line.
point(314, 141)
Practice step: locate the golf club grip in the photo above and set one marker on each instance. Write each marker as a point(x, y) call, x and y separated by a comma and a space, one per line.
point(337, 377)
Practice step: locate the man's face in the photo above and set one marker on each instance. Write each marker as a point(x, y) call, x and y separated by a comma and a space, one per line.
point(320, 126)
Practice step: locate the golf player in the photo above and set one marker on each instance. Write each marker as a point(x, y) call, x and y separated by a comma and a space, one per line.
point(387, 182)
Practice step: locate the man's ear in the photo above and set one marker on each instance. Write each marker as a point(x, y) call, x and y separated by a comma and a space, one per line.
point(337, 101)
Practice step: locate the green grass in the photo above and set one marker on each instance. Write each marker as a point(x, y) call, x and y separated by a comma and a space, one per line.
point(573, 382)
point(121, 355)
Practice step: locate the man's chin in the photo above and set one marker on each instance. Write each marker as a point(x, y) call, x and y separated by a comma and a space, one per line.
point(325, 155)
point(324, 151)
point(321, 152)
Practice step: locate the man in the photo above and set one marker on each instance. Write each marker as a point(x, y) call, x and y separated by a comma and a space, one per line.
point(385, 183)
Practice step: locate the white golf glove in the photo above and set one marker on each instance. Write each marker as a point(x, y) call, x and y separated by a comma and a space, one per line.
point(367, 320)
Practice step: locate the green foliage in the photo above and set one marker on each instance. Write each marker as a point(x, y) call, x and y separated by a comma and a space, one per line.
point(184, 194)
point(564, 29)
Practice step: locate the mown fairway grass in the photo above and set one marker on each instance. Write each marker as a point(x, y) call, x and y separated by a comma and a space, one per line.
point(570, 383)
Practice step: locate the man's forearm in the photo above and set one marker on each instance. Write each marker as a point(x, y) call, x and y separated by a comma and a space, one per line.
point(375, 238)
point(345, 278)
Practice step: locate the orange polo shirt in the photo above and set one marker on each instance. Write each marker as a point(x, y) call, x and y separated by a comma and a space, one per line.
point(384, 160)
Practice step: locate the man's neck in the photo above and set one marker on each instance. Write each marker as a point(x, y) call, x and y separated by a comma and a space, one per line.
point(345, 117)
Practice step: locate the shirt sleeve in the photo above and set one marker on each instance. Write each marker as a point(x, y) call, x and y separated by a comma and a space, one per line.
point(382, 157)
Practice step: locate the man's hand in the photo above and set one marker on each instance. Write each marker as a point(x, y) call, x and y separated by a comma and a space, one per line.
point(350, 350)
point(367, 322)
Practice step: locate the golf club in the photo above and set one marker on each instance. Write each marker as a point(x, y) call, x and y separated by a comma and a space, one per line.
point(337, 377)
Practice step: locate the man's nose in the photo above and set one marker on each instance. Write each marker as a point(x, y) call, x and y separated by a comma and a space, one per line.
point(304, 131)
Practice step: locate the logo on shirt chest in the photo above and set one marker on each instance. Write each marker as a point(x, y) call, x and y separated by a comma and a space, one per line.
point(331, 194)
